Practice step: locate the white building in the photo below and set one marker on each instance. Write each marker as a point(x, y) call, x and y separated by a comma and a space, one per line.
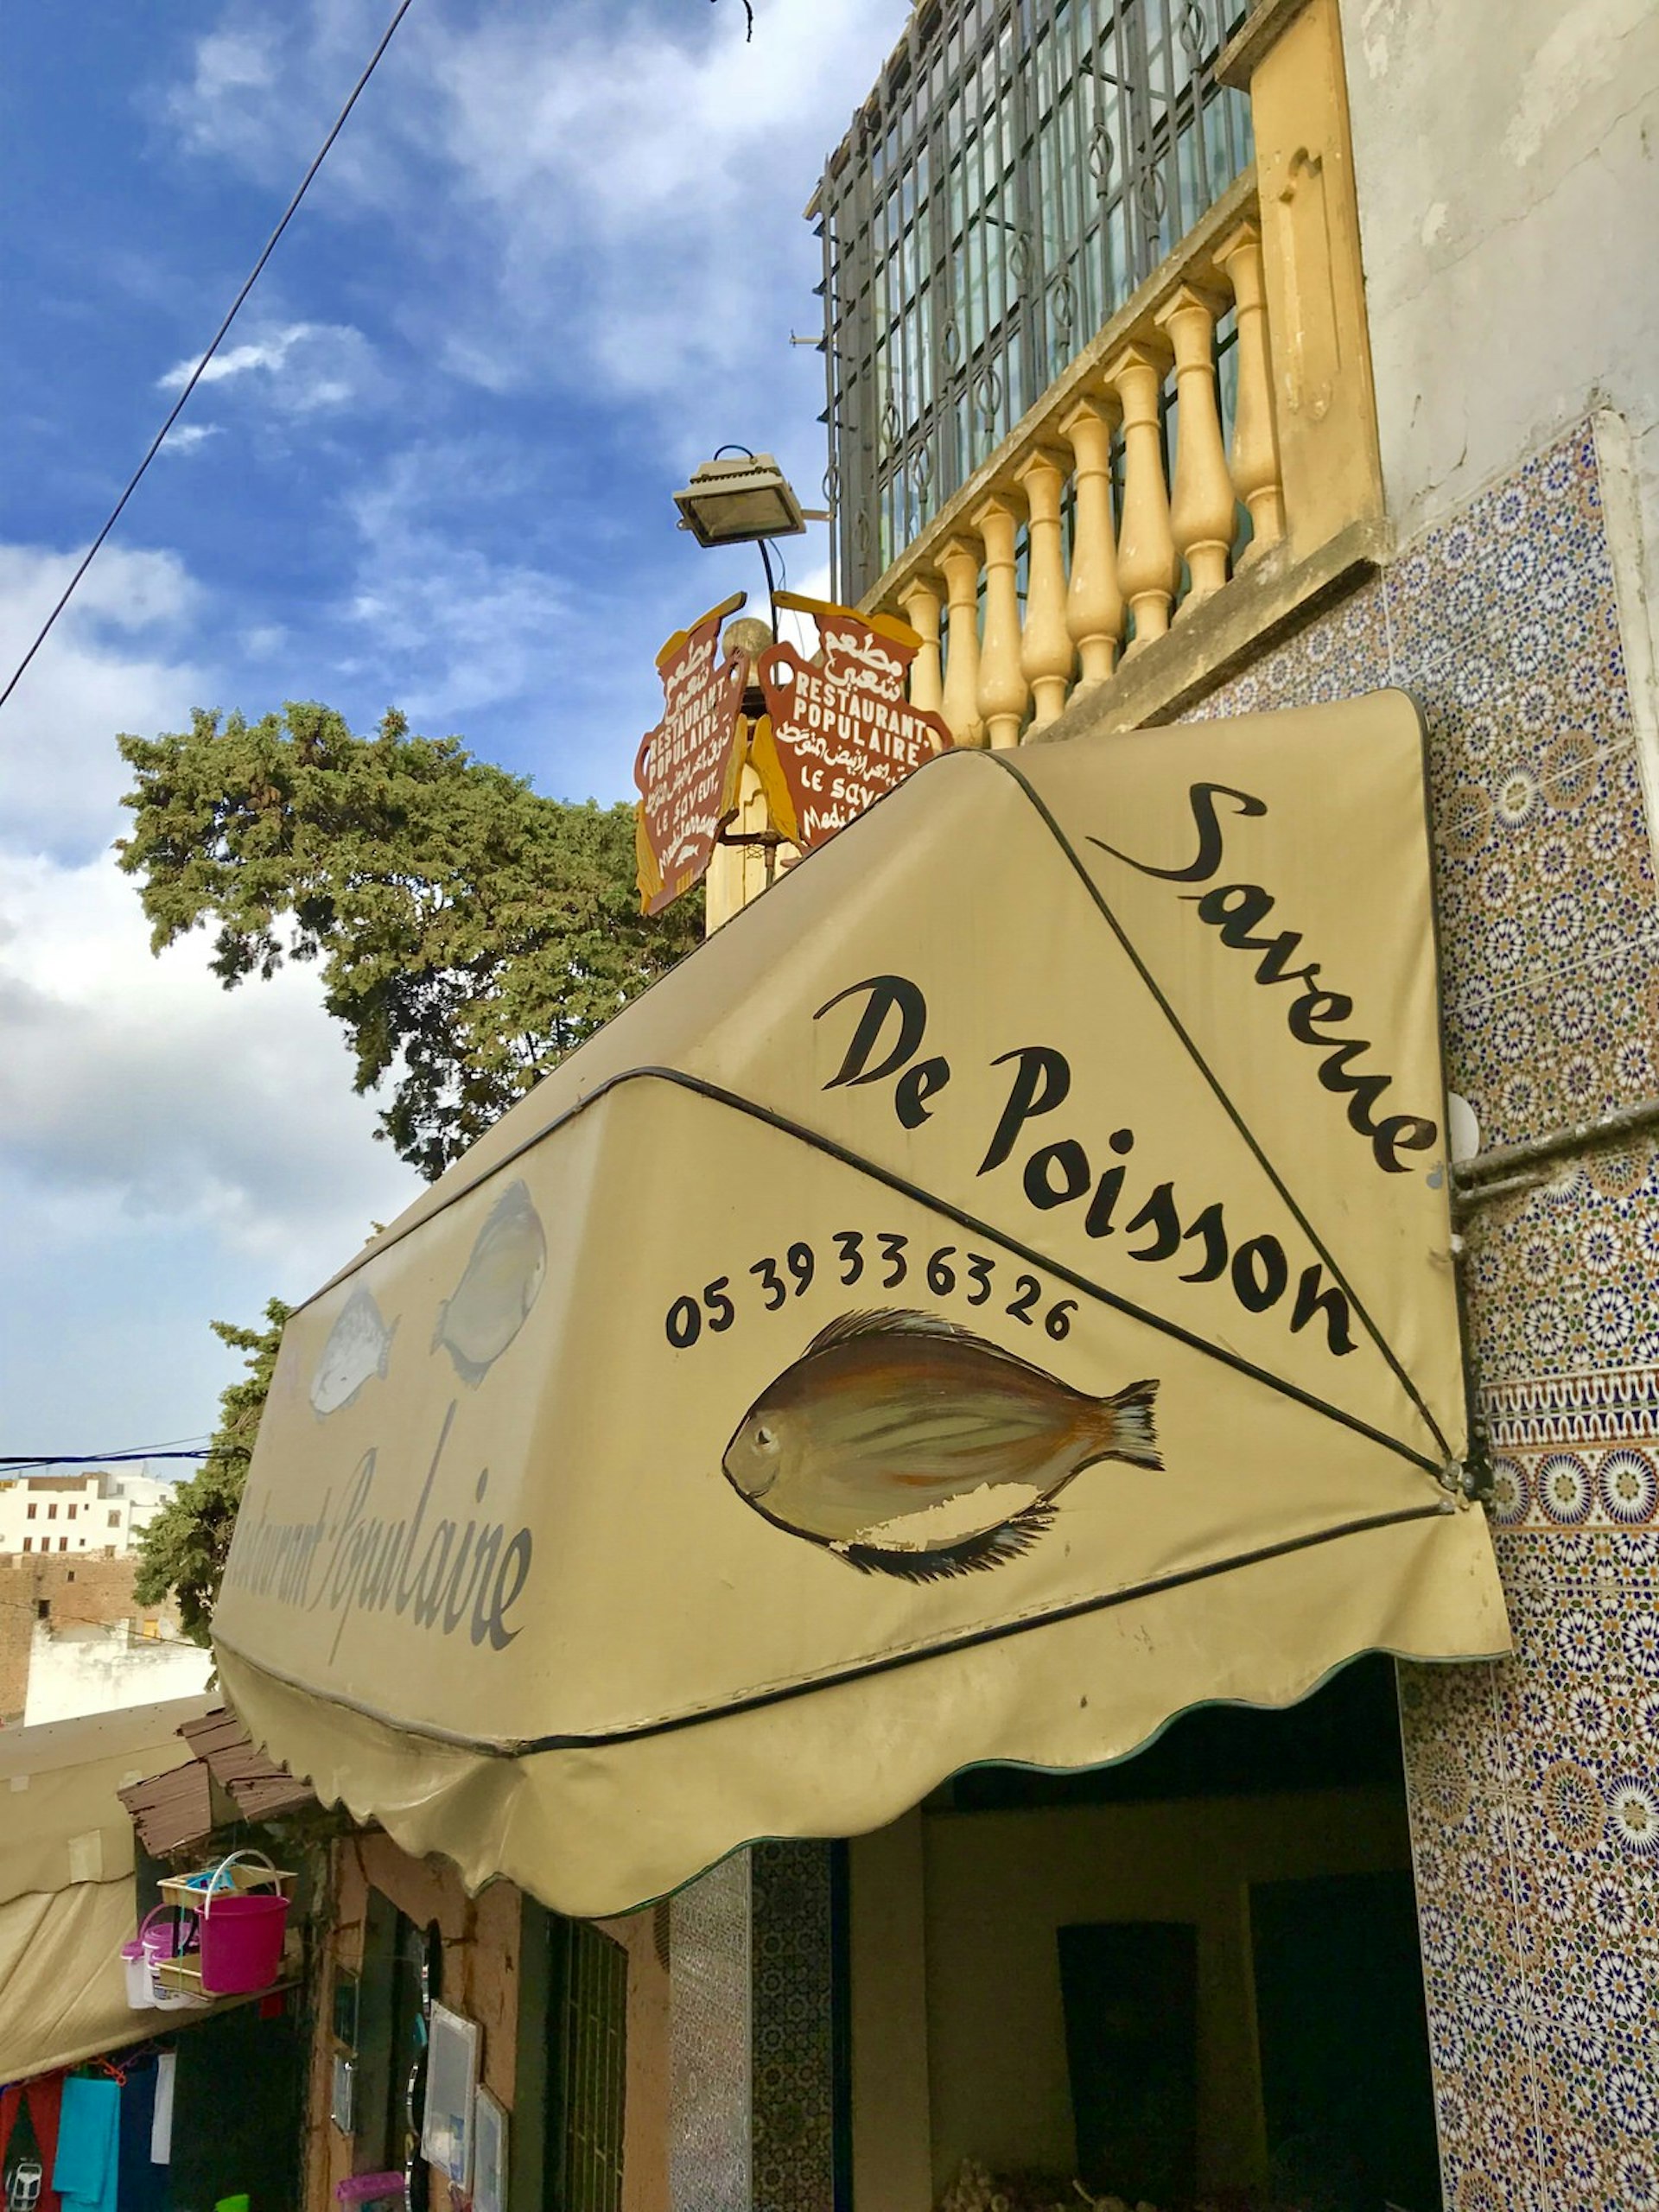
point(93, 1511)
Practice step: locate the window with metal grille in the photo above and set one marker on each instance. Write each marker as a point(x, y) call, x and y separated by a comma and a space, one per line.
point(590, 2021)
point(1022, 166)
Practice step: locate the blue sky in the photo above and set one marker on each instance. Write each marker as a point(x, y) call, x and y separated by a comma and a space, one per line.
point(554, 261)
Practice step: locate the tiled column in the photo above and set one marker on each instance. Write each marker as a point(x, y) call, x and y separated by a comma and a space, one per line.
point(793, 2028)
point(709, 2028)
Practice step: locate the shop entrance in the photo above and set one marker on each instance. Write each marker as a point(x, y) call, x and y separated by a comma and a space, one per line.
point(1189, 1979)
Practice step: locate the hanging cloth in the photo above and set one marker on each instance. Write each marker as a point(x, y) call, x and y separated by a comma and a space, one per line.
point(85, 2172)
point(28, 2129)
point(141, 2186)
point(160, 2130)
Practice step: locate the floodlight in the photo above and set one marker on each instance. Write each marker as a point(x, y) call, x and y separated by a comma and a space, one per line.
point(737, 501)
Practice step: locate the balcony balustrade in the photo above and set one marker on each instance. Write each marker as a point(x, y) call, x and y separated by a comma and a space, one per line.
point(1199, 441)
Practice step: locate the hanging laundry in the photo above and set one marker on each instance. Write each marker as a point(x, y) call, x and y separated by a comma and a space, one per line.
point(85, 2172)
point(28, 2141)
point(161, 2131)
point(142, 2185)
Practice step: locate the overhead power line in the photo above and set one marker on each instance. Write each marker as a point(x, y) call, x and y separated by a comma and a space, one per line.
point(195, 376)
point(94, 1460)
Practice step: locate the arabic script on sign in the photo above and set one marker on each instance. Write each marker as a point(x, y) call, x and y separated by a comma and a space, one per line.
point(687, 768)
point(843, 733)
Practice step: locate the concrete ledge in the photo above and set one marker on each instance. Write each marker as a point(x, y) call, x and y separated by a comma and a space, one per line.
point(1259, 605)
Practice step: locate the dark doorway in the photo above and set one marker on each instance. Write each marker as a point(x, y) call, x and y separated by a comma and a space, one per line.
point(1345, 2086)
point(238, 2109)
point(1196, 1971)
point(1130, 1989)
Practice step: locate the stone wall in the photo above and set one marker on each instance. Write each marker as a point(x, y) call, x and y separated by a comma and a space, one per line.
point(77, 1592)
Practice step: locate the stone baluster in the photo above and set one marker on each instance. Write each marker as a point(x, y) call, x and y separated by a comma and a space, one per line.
point(1046, 653)
point(1094, 606)
point(959, 701)
point(1002, 689)
point(1203, 507)
point(921, 601)
point(1148, 567)
point(1255, 440)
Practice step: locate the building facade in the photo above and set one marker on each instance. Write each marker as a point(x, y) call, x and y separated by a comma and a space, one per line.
point(99, 1513)
point(1384, 415)
point(67, 1625)
point(1184, 365)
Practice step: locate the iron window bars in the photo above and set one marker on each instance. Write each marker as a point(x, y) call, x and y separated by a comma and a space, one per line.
point(1021, 167)
point(591, 2055)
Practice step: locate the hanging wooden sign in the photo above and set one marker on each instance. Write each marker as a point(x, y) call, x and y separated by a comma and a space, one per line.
point(841, 731)
point(687, 768)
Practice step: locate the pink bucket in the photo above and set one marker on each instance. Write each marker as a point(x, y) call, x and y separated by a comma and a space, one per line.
point(156, 1944)
point(241, 1942)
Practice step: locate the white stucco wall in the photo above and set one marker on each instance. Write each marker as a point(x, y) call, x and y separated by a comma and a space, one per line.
point(1506, 154)
point(100, 1670)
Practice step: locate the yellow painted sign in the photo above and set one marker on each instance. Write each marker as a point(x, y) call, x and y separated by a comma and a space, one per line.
point(997, 1291)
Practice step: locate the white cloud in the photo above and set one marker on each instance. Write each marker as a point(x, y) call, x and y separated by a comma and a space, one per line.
point(169, 1151)
point(232, 61)
point(638, 164)
point(309, 365)
point(170, 1155)
point(116, 660)
point(139, 1086)
point(185, 437)
point(463, 628)
point(657, 160)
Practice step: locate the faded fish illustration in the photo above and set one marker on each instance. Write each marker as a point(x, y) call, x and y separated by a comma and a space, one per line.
point(358, 1349)
point(499, 1286)
point(914, 1448)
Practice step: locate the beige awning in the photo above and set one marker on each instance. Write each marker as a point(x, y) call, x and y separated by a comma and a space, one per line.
point(65, 1880)
point(997, 1294)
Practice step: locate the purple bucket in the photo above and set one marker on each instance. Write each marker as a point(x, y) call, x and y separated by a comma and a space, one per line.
point(241, 1942)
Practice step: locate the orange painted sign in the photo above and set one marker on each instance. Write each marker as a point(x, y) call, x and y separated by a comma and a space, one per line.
point(841, 731)
point(687, 768)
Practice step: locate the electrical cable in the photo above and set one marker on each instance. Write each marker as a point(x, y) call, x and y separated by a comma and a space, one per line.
point(94, 1459)
point(196, 377)
point(142, 1451)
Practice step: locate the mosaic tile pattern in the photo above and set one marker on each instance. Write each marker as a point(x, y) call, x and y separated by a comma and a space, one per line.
point(793, 2029)
point(1565, 1278)
point(1535, 1784)
point(709, 2089)
point(1503, 623)
point(1536, 1824)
